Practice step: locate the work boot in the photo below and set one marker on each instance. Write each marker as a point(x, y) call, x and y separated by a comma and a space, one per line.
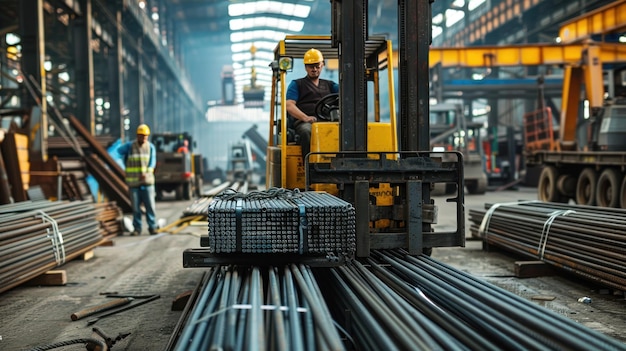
point(135, 233)
point(153, 231)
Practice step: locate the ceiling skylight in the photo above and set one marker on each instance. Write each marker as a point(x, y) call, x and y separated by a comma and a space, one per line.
point(265, 56)
point(271, 35)
point(264, 7)
point(264, 21)
point(261, 24)
point(259, 45)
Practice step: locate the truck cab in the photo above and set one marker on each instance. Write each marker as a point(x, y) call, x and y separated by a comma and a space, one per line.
point(449, 130)
point(177, 170)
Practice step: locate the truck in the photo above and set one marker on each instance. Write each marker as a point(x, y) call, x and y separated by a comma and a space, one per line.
point(591, 175)
point(177, 170)
point(240, 163)
point(583, 156)
point(259, 149)
point(450, 130)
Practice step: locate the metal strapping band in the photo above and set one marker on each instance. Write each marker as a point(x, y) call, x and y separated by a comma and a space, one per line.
point(483, 230)
point(247, 307)
point(302, 230)
point(543, 240)
point(238, 230)
point(55, 237)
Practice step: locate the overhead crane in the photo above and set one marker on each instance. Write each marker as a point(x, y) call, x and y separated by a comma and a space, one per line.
point(519, 55)
point(608, 19)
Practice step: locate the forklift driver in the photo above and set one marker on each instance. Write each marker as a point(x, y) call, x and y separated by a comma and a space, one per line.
point(304, 93)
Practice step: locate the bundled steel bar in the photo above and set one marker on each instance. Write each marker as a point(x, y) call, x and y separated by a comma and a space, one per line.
point(281, 221)
point(200, 206)
point(397, 302)
point(584, 240)
point(249, 308)
point(44, 235)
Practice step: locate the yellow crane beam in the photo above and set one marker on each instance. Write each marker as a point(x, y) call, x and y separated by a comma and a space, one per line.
point(523, 55)
point(607, 19)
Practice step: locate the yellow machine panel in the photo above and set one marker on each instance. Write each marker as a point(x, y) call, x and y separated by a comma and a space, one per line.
point(295, 167)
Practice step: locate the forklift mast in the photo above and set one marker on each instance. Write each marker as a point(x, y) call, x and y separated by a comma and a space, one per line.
point(349, 34)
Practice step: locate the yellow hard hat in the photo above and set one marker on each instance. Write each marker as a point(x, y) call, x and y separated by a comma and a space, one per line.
point(143, 129)
point(313, 56)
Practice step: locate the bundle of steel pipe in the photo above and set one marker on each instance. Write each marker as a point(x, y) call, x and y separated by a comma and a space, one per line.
point(37, 237)
point(281, 221)
point(200, 206)
point(402, 302)
point(250, 308)
point(110, 218)
point(584, 240)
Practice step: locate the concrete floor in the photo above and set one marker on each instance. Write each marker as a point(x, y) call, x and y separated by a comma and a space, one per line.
point(147, 265)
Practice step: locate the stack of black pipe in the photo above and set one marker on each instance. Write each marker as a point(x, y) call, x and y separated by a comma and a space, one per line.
point(585, 240)
point(38, 236)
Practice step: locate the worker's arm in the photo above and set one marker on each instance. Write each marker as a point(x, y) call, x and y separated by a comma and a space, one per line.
point(122, 150)
point(152, 163)
point(296, 113)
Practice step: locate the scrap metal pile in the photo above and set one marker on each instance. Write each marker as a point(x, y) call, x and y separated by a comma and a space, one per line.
point(585, 240)
point(281, 221)
point(40, 235)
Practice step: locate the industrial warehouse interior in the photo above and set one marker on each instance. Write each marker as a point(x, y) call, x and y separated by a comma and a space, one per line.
point(312, 175)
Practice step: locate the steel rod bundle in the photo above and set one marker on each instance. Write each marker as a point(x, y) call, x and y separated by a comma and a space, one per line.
point(249, 308)
point(391, 301)
point(44, 235)
point(200, 206)
point(400, 302)
point(281, 221)
point(584, 240)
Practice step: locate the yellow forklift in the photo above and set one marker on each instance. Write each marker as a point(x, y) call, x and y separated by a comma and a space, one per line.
point(360, 151)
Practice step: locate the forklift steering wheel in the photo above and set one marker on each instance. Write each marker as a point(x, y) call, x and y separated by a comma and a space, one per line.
point(327, 109)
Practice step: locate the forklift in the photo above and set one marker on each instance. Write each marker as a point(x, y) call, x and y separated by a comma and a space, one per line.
point(380, 164)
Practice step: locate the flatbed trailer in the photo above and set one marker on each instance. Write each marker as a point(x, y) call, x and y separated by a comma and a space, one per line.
point(587, 177)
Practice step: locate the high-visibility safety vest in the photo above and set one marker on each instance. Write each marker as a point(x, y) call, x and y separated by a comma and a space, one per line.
point(137, 164)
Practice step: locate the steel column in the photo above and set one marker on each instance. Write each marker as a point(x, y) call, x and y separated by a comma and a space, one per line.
point(353, 86)
point(33, 55)
point(83, 56)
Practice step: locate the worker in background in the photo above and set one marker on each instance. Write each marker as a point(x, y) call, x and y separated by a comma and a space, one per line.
point(184, 148)
point(140, 160)
point(304, 93)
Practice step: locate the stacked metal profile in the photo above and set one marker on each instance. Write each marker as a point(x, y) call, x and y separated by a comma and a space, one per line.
point(586, 240)
point(281, 221)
